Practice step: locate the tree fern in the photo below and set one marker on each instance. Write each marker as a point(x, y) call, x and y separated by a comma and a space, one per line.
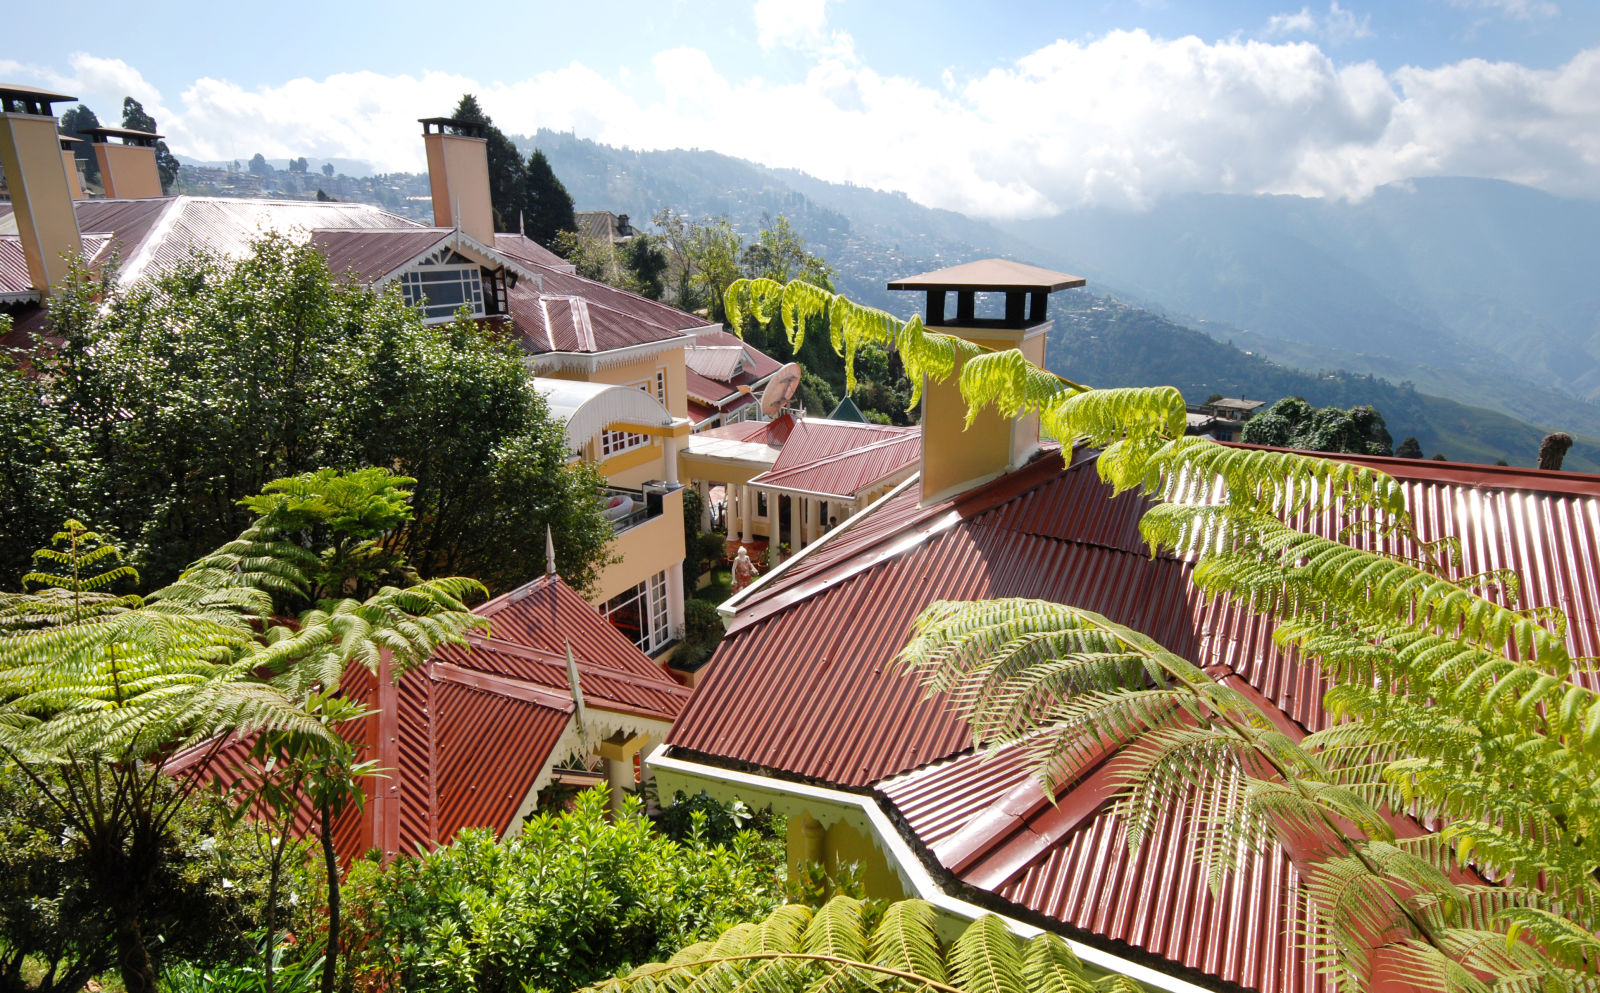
point(1457, 699)
point(836, 952)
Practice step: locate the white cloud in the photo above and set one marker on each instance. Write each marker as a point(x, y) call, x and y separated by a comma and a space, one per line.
point(790, 23)
point(1123, 119)
point(1339, 26)
point(1521, 10)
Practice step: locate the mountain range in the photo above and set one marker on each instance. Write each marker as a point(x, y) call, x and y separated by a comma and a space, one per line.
point(1464, 310)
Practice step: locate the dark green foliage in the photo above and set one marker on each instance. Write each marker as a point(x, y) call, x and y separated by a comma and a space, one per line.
point(569, 900)
point(327, 169)
point(259, 166)
point(506, 170)
point(135, 117)
point(716, 822)
point(647, 260)
point(815, 394)
point(190, 393)
point(76, 123)
point(1408, 448)
point(200, 884)
point(1293, 423)
point(702, 632)
point(546, 206)
point(1105, 343)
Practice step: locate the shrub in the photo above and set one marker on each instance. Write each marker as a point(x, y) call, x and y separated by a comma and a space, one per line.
point(702, 631)
point(568, 901)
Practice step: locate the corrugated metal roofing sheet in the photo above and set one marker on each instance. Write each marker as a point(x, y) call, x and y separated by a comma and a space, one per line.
point(719, 362)
point(802, 686)
point(372, 254)
point(844, 474)
point(464, 737)
point(530, 252)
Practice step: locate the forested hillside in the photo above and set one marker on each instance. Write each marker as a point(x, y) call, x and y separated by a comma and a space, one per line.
point(1106, 343)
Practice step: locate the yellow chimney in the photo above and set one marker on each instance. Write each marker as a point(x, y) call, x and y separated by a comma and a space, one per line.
point(956, 458)
point(458, 176)
point(127, 169)
point(41, 193)
point(69, 158)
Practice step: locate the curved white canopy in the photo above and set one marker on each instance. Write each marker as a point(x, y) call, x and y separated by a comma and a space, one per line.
point(587, 408)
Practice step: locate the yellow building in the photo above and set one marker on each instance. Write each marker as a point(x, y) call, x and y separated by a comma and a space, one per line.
point(625, 350)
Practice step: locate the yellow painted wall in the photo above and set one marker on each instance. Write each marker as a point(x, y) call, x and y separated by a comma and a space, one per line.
point(642, 370)
point(632, 468)
point(645, 550)
point(458, 178)
point(70, 160)
point(128, 172)
point(954, 455)
point(30, 154)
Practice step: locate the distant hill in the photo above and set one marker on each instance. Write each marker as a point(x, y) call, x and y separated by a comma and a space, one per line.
point(1471, 288)
point(1411, 287)
point(1102, 342)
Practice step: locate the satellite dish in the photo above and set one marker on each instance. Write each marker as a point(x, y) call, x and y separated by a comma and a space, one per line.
point(780, 389)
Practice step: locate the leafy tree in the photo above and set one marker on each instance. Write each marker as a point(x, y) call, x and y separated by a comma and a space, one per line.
point(1409, 448)
point(259, 166)
point(322, 196)
point(98, 689)
point(506, 169)
point(546, 206)
point(591, 257)
point(565, 901)
point(815, 395)
point(838, 946)
point(77, 123)
point(135, 117)
point(170, 401)
point(647, 263)
point(1293, 423)
point(206, 891)
point(1450, 703)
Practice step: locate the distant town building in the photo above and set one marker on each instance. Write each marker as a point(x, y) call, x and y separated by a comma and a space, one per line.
point(1222, 418)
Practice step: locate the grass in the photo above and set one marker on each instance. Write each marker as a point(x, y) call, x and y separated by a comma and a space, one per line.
point(720, 588)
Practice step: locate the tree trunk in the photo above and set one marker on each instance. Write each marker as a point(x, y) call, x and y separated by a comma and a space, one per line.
point(133, 960)
point(330, 961)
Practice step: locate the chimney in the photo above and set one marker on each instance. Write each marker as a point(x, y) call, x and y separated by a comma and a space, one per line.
point(41, 192)
point(69, 158)
point(127, 169)
point(458, 176)
point(953, 459)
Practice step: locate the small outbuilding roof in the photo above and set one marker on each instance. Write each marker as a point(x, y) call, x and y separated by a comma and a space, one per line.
point(990, 275)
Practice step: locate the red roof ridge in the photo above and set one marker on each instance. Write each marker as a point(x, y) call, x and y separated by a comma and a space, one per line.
point(506, 686)
point(1502, 477)
point(659, 681)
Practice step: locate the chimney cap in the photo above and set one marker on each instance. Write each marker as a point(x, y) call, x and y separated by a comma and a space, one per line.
point(455, 126)
point(67, 141)
point(991, 276)
point(128, 135)
point(29, 100)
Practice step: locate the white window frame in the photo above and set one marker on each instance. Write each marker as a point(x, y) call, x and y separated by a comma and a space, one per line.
point(613, 442)
point(655, 628)
point(437, 269)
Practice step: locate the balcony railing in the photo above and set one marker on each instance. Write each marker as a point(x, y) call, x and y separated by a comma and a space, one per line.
point(627, 509)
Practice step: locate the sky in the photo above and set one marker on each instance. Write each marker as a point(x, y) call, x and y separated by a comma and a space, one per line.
point(996, 109)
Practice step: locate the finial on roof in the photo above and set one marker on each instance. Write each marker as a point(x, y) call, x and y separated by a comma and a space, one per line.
point(522, 223)
point(549, 552)
point(577, 688)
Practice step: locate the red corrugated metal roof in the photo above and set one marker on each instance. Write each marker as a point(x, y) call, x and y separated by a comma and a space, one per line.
point(530, 252)
point(465, 736)
point(988, 821)
point(844, 474)
point(13, 266)
point(801, 686)
point(373, 254)
point(614, 319)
